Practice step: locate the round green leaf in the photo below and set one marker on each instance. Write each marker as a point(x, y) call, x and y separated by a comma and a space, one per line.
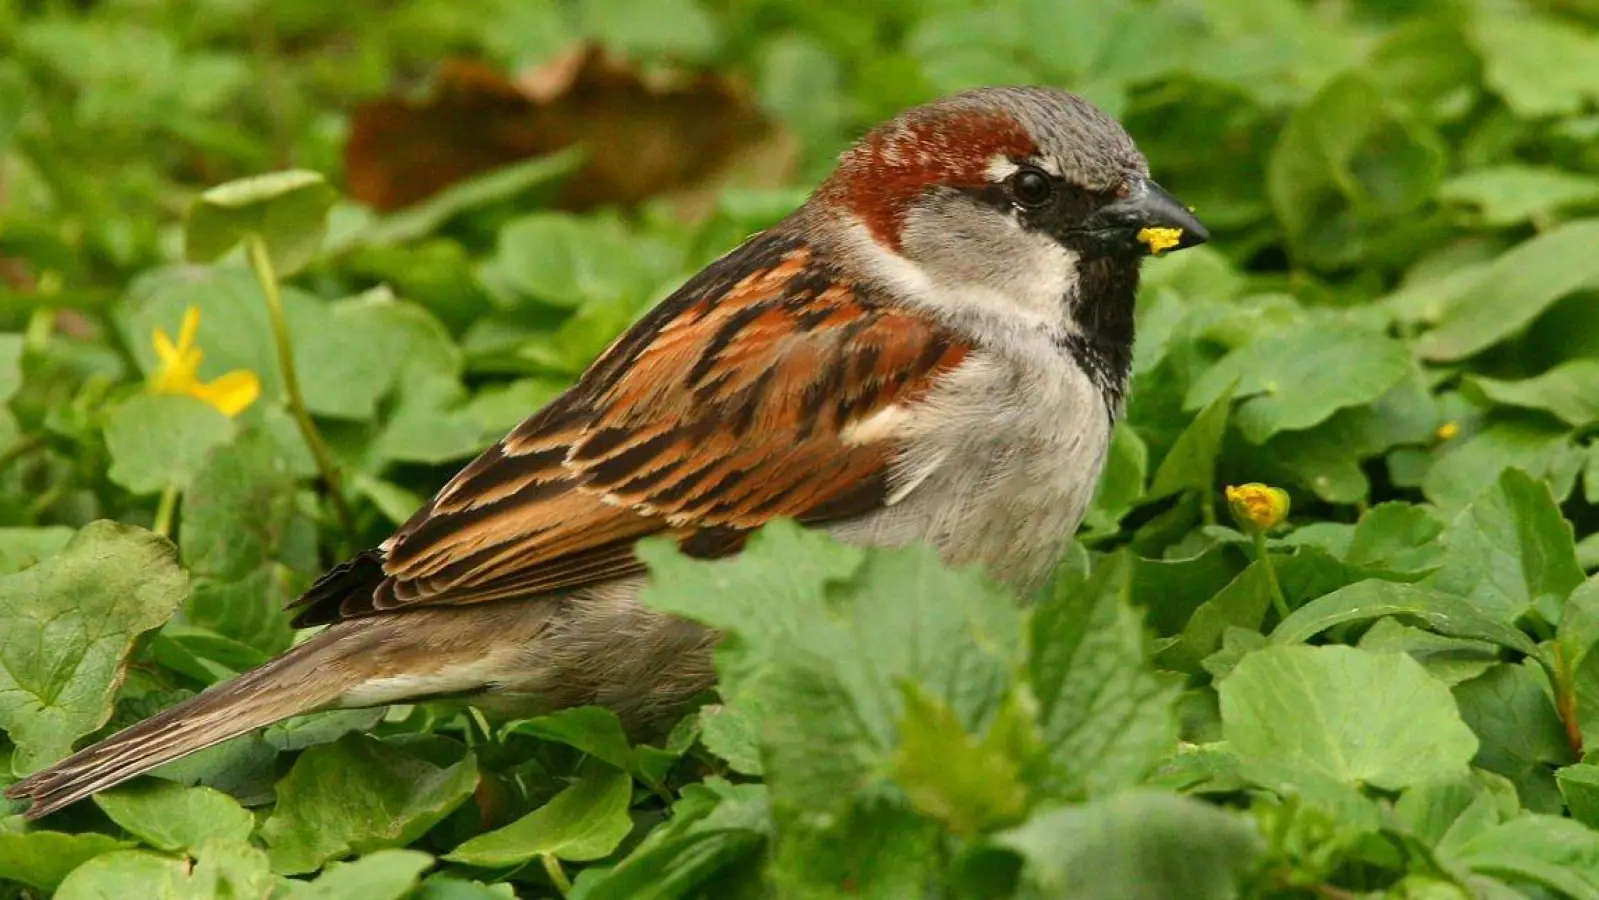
point(286, 210)
point(585, 821)
point(172, 817)
point(68, 624)
point(158, 441)
point(1296, 713)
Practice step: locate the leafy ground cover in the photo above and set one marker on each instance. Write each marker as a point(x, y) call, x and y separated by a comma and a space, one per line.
point(1387, 687)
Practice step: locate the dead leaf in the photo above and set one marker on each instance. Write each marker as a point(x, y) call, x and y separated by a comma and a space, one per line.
point(645, 135)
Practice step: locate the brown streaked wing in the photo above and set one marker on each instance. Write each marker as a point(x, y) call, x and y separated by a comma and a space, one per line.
point(721, 410)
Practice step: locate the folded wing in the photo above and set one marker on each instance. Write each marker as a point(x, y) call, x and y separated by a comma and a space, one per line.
point(748, 395)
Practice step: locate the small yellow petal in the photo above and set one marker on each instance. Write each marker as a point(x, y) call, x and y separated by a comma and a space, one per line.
point(1258, 506)
point(164, 348)
point(232, 393)
point(1160, 239)
point(1448, 431)
point(190, 327)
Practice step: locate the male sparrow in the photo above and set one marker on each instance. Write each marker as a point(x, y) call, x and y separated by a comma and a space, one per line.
point(933, 348)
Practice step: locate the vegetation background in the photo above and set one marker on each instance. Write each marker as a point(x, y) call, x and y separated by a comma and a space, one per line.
point(209, 397)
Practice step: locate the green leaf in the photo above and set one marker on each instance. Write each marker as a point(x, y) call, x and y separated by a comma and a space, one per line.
point(1341, 714)
point(1557, 853)
point(1331, 458)
point(1538, 64)
point(1577, 666)
point(1144, 844)
point(13, 102)
point(799, 598)
point(1445, 812)
point(714, 827)
point(1509, 549)
point(159, 440)
point(1300, 378)
point(24, 547)
point(227, 869)
point(1569, 391)
point(43, 858)
point(730, 734)
point(968, 784)
point(1241, 604)
point(11, 348)
point(1513, 193)
point(239, 520)
point(585, 821)
point(1448, 659)
point(875, 847)
point(567, 261)
point(69, 623)
point(357, 795)
point(172, 817)
point(496, 185)
point(1375, 598)
point(1397, 537)
point(384, 875)
point(767, 593)
point(1579, 786)
point(286, 210)
point(440, 886)
point(1190, 465)
point(673, 28)
point(822, 635)
point(1521, 736)
point(591, 729)
point(1536, 273)
point(125, 873)
point(1104, 716)
point(1530, 442)
point(222, 869)
point(1347, 168)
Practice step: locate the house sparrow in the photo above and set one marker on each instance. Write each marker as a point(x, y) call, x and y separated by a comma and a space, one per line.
point(933, 348)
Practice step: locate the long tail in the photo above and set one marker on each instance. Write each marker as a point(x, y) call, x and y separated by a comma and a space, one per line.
point(311, 676)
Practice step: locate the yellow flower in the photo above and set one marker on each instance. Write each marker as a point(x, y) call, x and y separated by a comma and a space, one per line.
point(179, 372)
point(1448, 431)
point(1159, 239)
point(1258, 506)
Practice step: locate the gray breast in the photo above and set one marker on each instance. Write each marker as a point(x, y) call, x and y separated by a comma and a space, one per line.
point(998, 465)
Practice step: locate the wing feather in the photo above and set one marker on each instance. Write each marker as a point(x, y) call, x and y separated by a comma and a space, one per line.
point(732, 403)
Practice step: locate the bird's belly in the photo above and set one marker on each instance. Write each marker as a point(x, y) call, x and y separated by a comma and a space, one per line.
point(1000, 484)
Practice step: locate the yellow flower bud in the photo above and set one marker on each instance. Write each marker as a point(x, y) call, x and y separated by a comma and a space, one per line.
point(1448, 431)
point(1258, 507)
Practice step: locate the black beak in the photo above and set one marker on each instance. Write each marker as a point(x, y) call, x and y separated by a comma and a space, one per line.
point(1148, 220)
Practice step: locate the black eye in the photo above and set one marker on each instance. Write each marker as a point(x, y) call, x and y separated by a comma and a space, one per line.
point(1031, 188)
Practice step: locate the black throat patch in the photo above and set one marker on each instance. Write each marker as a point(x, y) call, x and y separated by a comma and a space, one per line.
point(1102, 345)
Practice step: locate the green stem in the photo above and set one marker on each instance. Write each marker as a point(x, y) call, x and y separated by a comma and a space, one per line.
point(49, 498)
point(165, 509)
point(261, 262)
point(20, 449)
point(1277, 598)
point(552, 867)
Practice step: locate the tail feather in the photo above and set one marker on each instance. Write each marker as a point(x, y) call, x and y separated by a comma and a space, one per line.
point(297, 682)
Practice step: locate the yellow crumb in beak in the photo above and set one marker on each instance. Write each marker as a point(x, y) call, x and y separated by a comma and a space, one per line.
point(1159, 239)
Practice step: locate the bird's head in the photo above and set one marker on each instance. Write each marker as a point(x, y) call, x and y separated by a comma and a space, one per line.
point(1026, 196)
